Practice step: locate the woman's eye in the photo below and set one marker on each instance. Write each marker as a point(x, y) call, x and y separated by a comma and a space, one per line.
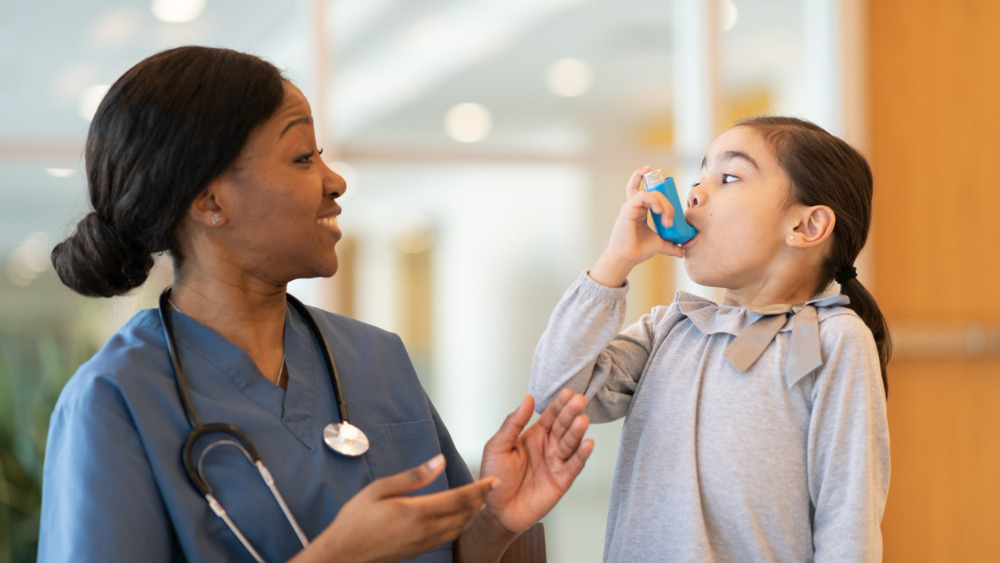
point(729, 178)
point(307, 158)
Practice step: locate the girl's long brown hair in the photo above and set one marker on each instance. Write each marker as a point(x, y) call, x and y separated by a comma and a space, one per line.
point(825, 170)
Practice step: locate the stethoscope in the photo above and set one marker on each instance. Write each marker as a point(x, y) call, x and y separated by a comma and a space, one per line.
point(341, 437)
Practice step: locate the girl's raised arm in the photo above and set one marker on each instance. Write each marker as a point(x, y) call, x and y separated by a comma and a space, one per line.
point(583, 350)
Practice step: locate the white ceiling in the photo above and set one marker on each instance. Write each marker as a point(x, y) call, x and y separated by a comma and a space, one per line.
point(390, 70)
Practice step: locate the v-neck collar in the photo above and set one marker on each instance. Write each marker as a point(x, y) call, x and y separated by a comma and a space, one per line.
point(294, 407)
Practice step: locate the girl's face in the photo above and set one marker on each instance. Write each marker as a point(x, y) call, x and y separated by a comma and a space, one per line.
point(741, 208)
point(279, 200)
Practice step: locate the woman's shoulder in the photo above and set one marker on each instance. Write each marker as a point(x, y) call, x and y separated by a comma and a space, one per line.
point(359, 341)
point(347, 326)
point(131, 353)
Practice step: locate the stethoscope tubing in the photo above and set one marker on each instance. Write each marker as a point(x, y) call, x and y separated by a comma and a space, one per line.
point(239, 439)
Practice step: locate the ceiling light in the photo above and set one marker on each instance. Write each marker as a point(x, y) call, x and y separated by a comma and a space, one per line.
point(90, 99)
point(29, 259)
point(116, 28)
point(569, 77)
point(60, 172)
point(729, 15)
point(177, 11)
point(468, 122)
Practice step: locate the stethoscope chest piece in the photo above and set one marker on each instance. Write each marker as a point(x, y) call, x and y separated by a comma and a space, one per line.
point(345, 438)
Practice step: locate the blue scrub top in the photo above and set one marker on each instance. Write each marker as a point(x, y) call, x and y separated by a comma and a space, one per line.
point(114, 484)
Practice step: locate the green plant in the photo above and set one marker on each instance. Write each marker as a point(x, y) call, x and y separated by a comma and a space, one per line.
point(33, 369)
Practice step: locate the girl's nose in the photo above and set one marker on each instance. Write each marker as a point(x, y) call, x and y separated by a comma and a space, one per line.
point(696, 197)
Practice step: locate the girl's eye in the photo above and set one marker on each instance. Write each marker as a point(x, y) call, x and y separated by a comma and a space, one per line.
point(729, 178)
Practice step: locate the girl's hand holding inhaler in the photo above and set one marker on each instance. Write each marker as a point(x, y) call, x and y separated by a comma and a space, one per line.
point(632, 240)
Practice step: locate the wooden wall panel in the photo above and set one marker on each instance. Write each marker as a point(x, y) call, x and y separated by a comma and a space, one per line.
point(934, 113)
point(935, 148)
point(944, 496)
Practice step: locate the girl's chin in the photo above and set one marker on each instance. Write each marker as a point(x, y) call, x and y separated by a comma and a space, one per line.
point(698, 275)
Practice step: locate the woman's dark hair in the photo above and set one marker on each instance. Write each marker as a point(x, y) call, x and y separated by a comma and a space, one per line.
point(163, 132)
point(825, 170)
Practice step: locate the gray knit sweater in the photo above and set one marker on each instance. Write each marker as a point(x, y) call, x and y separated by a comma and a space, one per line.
point(715, 464)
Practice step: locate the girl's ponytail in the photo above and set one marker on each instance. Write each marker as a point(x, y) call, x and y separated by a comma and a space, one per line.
point(865, 306)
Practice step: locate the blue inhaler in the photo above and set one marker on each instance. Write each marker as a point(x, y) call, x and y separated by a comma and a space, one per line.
point(681, 232)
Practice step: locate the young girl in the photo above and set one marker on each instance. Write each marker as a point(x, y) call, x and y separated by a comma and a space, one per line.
point(755, 430)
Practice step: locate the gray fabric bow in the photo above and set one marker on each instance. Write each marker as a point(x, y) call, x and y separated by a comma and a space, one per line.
point(804, 353)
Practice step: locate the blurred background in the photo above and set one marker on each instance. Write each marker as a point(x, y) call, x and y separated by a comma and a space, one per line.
point(486, 144)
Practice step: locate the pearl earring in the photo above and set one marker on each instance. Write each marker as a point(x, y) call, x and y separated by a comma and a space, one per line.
point(216, 219)
point(791, 237)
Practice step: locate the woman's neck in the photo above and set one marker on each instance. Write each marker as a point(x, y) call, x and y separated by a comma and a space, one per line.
point(248, 313)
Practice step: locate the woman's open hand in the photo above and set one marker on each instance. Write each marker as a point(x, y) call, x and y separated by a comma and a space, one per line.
point(380, 523)
point(536, 467)
point(632, 240)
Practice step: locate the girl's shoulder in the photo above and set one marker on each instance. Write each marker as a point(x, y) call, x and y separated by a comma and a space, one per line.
point(841, 327)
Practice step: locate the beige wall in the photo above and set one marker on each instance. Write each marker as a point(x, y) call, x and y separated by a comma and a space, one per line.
point(935, 148)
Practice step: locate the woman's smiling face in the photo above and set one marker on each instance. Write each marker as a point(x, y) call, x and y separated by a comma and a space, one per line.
point(279, 199)
point(742, 210)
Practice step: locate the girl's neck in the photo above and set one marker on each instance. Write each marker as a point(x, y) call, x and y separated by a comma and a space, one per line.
point(769, 294)
point(790, 280)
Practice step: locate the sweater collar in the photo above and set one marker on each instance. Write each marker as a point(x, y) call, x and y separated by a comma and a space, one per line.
point(756, 327)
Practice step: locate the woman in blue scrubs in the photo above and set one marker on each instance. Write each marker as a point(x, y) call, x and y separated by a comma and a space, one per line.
point(210, 155)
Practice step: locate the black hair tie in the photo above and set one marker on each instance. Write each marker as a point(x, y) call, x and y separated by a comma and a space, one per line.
point(846, 274)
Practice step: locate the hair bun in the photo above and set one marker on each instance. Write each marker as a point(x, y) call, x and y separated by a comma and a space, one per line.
point(95, 261)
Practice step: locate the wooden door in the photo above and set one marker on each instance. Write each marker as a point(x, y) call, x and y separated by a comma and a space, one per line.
point(934, 111)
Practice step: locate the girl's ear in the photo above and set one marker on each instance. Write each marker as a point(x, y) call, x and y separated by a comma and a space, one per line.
point(207, 207)
point(815, 226)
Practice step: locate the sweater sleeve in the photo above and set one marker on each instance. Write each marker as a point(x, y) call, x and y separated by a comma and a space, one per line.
point(582, 349)
point(848, 446)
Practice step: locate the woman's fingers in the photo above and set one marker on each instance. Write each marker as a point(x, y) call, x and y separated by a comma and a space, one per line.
point(515, 422)
point(549, 414)
point(386, 524)
point(570, 410)
point(445, 529)
point(409, 480)
point(574, 465)
point(570, 441)
point(467, 499)
point(436, 518)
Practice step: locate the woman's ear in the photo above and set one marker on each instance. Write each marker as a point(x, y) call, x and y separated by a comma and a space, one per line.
point(207, 208)
point(815, 225)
